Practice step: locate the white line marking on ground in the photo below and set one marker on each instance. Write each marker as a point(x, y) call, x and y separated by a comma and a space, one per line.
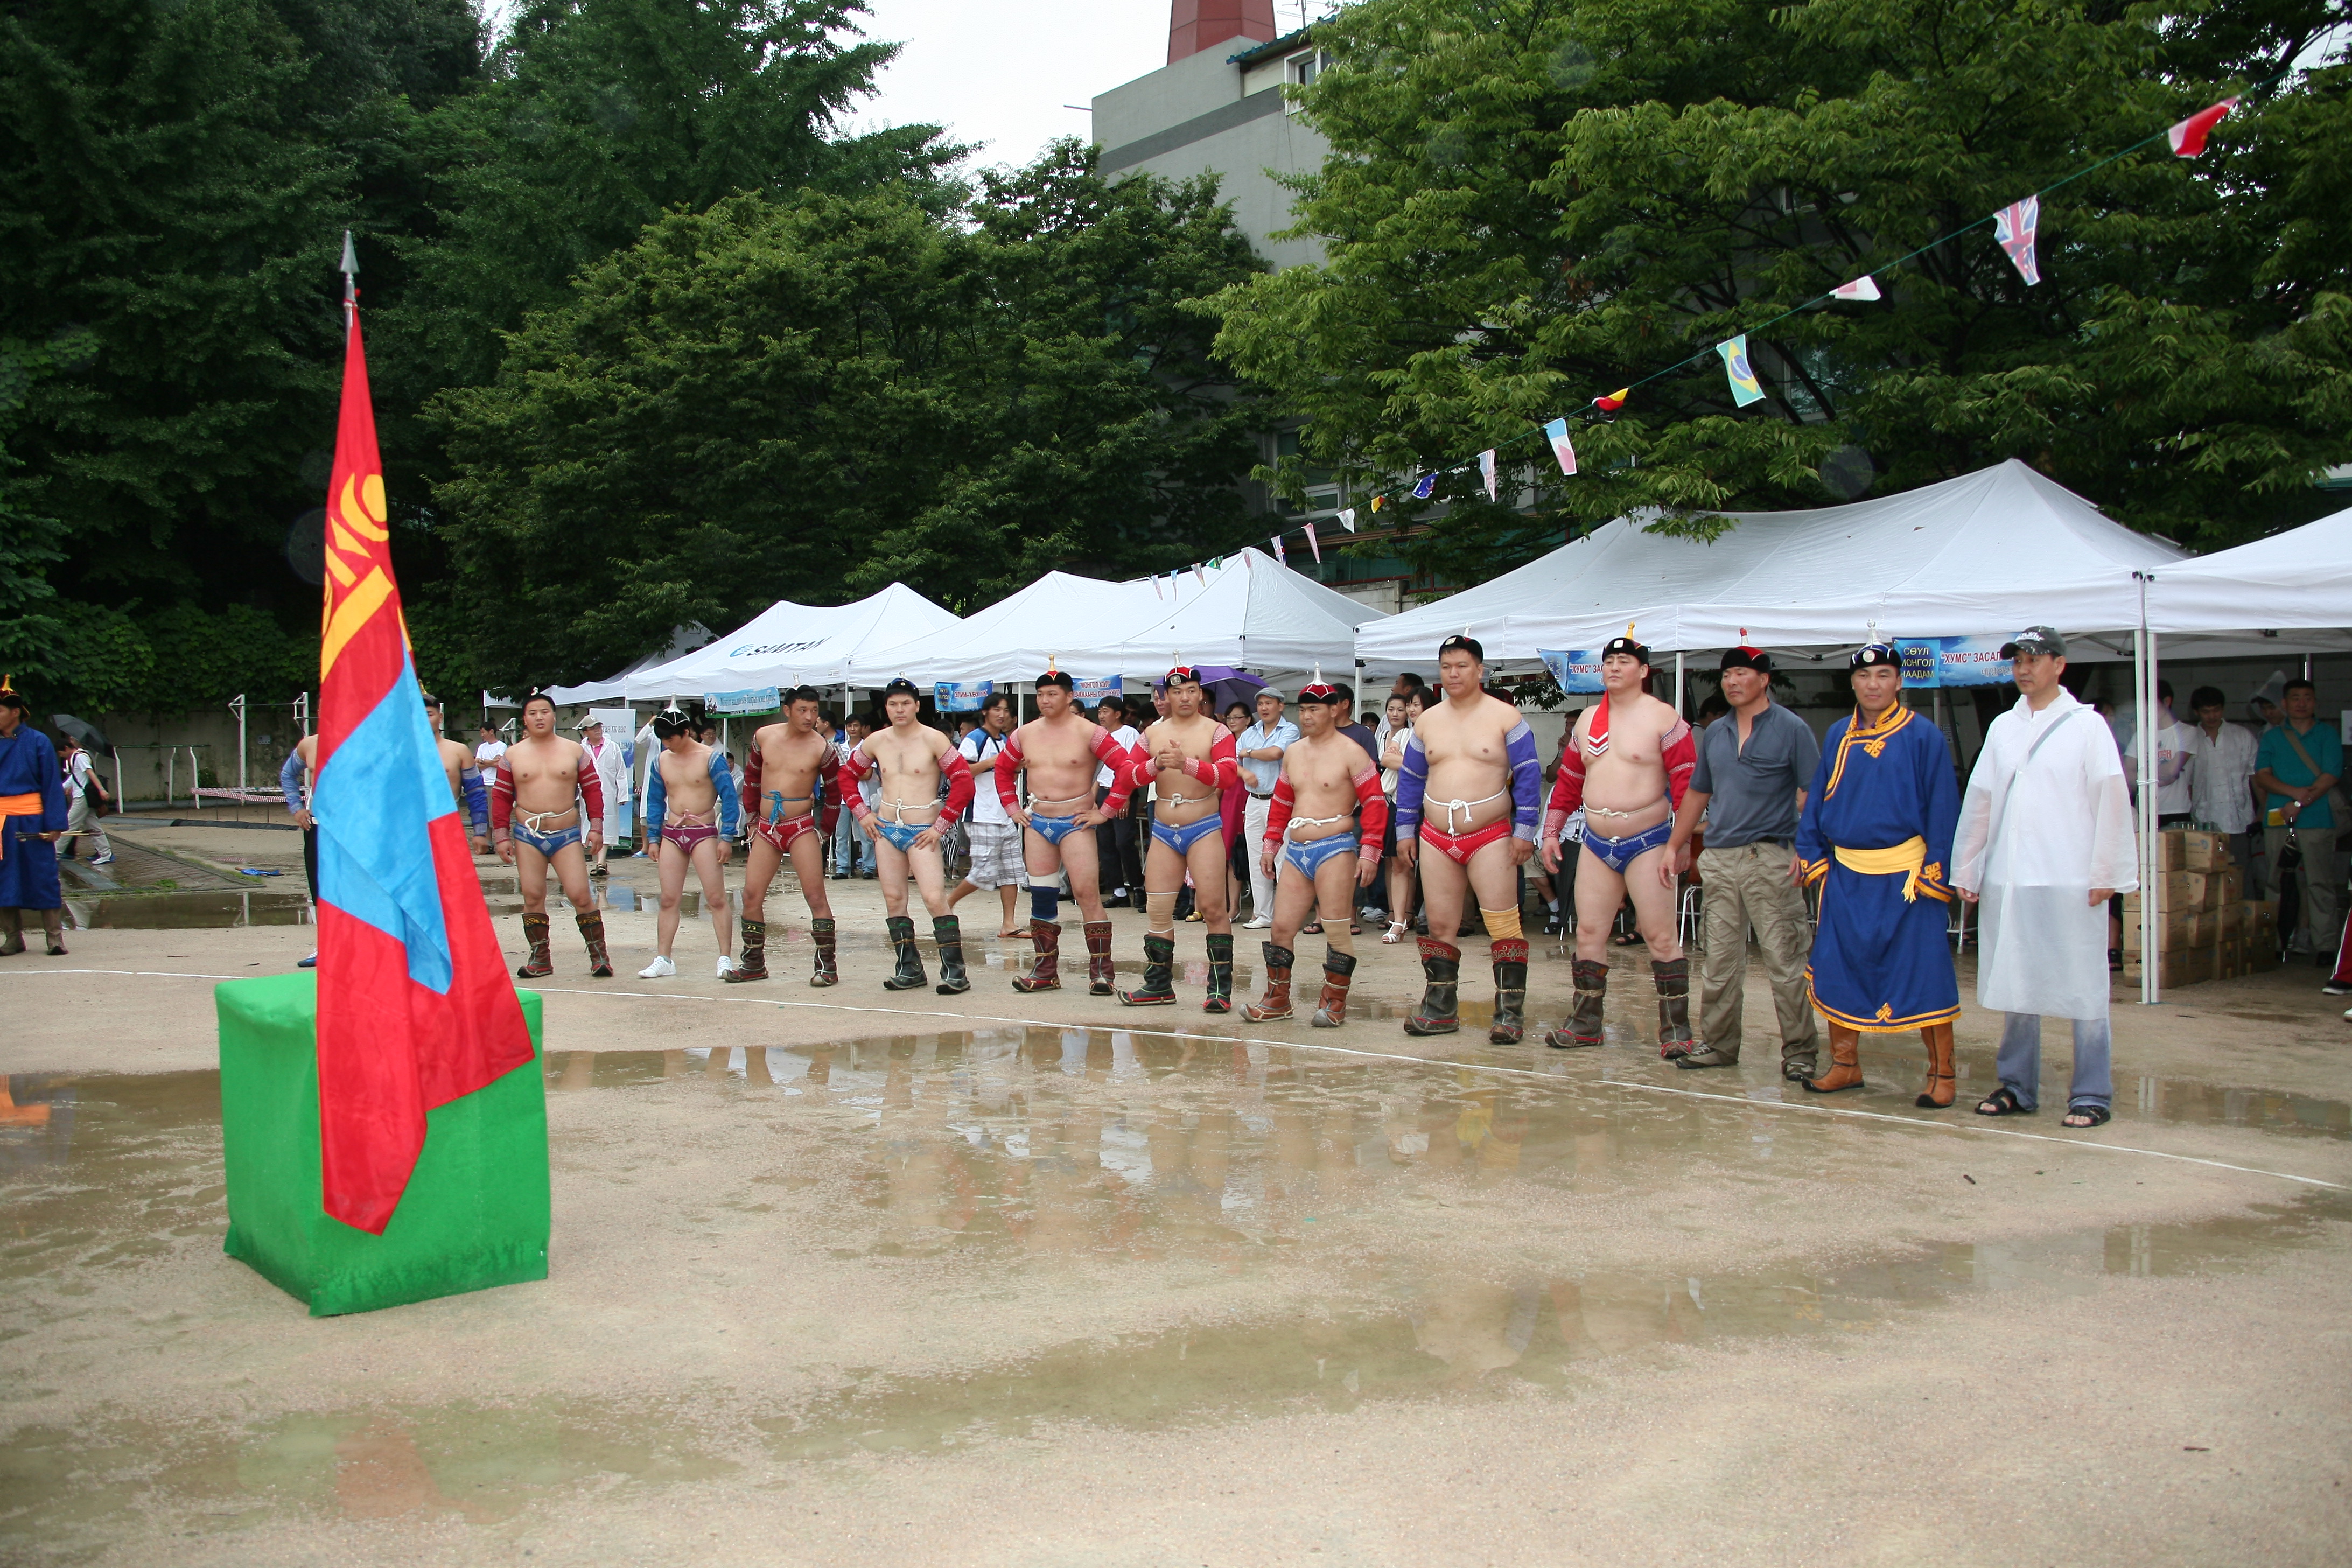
point(1918, 1122)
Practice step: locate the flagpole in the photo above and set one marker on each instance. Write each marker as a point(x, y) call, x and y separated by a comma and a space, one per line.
point(350, 270)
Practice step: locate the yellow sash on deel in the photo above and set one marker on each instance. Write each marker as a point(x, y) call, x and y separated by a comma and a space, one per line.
point(1910, 857)
point(16, 806)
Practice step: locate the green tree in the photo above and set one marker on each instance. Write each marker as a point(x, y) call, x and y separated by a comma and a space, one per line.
point(1532, 201)
point(809, 399)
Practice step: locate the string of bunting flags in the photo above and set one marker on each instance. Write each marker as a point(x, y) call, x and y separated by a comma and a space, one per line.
point(2016, 229)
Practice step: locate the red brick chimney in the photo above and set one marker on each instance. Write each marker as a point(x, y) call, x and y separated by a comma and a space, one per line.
point(1197, 25)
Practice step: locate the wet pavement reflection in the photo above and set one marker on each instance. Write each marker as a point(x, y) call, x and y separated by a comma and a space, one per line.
point(1061, 1150)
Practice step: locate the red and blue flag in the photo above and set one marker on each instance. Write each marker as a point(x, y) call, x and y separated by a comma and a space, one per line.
point(414, 1006)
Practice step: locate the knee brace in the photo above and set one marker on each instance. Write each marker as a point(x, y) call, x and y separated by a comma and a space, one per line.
point(1339, 937)
point(1159, 912)
point(1501, 924)
point(1044, 902)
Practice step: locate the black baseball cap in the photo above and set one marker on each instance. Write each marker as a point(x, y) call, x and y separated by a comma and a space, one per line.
point(902, 687)
point(2035, 640)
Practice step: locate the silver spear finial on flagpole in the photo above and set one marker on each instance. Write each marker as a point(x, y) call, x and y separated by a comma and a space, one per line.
point(350, 270)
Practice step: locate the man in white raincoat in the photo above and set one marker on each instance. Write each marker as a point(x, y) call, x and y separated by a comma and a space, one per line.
point(604, 755)
point(2044, 840)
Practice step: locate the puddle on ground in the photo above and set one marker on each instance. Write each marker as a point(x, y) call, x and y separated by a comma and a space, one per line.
point(190, 910)
point(1032, 1150)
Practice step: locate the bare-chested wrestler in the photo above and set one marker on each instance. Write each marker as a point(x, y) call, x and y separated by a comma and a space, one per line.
point(792, 787)
point(464, 771)
point(1189, 760)
point(536, 822)
point(1316, 854)
point(691, 815)
point(1471, 790)
point(897, 772)
point(1628, 761)
point(1060, 750)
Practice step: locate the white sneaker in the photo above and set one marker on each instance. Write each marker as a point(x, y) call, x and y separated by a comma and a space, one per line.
point(726, 966)
point(105, 859)
point(659, 969)
point(1258, 922)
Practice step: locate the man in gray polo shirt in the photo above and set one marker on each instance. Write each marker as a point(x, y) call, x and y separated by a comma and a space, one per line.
point(1754, 763)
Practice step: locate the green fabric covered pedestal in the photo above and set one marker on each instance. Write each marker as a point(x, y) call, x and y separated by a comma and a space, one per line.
point(476, 1212)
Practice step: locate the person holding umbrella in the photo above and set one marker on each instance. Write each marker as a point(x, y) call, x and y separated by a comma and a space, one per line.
point(32, 815)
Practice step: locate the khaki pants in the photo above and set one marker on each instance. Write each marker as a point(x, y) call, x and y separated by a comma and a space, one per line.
point(2319, 923)
point(1747, 886)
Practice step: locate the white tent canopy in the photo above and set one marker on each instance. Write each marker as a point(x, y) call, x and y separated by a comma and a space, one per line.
point(2295, 582)
point(1989, 552)
point(794, 645)
point(1251, 612)
point(685, 639)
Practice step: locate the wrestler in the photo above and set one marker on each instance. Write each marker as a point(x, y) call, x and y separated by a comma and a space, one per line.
point(899, 771)
point(690, 812)
point(1629, 763)
point(464, 771)
point(1471, 765)
point(1060, 750)
point(791, 786)
point(535, 822)
point(1189, 760)
point(1323, 854)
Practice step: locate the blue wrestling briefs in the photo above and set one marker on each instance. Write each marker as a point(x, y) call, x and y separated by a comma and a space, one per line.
point(1053, 829)
point(1309, 857)
point(1182, 839)
point(901, 834)
point(1618, 853)
point(547, 843)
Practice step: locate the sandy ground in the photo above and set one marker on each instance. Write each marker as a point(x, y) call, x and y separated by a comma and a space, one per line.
point(845, 1276)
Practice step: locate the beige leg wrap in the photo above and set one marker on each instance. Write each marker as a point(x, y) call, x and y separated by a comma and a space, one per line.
point(1159, 912)
point(1501, 924)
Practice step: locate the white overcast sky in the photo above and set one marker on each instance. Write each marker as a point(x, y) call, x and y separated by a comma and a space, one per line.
point(1001, 73)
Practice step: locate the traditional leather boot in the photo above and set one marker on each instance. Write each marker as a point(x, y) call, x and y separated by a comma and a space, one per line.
point(12, 931)
point(1332, 1007)
point(1275, 1003)
point(1220, 998)
point(1673, 980)
point(1101, 968)
point(754, 965)
point(1441, 967)
point(1158, 989)
point(1510, 959)
point(53, 921)
point(1045, 974)
point(947, 930)
point(1584, 1026)
point(910, 959)
point(1939, 1038)
point(534, 932)
point(592, 931)
point(828, 965)
point(1845, 1062)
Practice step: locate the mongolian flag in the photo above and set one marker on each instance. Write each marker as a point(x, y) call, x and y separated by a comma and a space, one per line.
point(1610, 402)
point(2187, 138)
point(415, 1006)
point(1486, 472)
point(2017, 226)
point(1561, 447)
point(1745, 388)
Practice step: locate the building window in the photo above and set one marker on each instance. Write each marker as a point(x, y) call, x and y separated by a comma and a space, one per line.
point(1300, 70)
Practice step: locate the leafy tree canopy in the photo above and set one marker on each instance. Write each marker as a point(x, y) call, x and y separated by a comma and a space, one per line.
point(1531, 202)
point(809, 398)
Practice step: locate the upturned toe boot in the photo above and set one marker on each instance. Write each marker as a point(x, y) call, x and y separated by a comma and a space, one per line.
point(53, 922)
point(1510, 960)
point(828, 965)
point(1584, 1025)
point(1441, 968)
point(755, 964)
point(1845, 1062)
point(947, 930)
point(1671, 979)
point(910, 959)
point(1275, 1003)
point(1338, 973)
point(1220, 998)
point(1101, 968)
point(1941, 1084)
point(592, 931)
point(540, 963)
point(12, 931)
point(1046, 974)
point(1158, 988)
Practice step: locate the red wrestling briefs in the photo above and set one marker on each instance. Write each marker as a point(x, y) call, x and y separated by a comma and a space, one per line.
point(785, 834)
point(1459, 847)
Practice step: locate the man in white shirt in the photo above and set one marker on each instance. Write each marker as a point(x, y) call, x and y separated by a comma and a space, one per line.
point(612, 772)
point(1262, 747)
point(1118, 850)
point(490, 748)
point(2222, 779)
point(2044, 840)
point(81, 817)
point(996, 836)
point(2176, 802)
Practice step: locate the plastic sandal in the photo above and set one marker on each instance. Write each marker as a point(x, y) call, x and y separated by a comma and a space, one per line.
point(1394, 935)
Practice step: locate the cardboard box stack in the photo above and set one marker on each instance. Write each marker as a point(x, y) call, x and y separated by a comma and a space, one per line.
point(2205, 928)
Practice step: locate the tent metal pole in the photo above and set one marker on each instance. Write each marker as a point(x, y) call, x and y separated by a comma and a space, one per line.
point(2151, 957)
point(1678, 681)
